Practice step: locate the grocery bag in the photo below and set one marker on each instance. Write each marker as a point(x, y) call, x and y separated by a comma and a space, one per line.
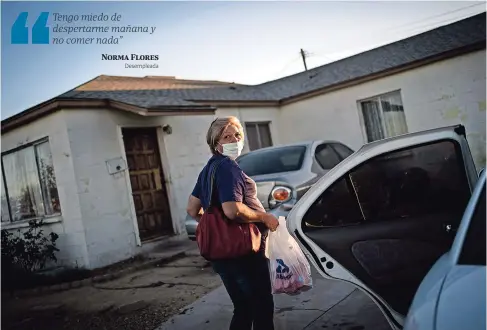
point(289, 269)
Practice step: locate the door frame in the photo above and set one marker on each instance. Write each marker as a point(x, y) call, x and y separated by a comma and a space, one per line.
point(165, 169)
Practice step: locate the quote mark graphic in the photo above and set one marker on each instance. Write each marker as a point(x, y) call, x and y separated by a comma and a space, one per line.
point(40, 31)
point(20, 33)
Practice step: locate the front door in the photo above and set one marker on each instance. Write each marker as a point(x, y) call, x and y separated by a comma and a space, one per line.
point(382, 217)
point(147, 181)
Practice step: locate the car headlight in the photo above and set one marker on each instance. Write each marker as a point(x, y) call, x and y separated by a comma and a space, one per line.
point(279, 194)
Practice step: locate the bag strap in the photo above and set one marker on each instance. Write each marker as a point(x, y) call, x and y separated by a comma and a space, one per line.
point(212, 181)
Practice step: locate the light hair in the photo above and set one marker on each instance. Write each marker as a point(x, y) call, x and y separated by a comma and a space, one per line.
point(217, 127)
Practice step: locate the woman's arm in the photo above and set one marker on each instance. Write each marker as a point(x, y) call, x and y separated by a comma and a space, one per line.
point(194, 208)
point(230, 183)
point(194, 203)
point(240, 212)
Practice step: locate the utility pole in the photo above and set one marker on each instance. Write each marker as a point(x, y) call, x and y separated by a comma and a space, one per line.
point(303, 55)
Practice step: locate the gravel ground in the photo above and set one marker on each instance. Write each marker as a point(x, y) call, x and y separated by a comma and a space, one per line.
point(141, 300)
point(148, 318)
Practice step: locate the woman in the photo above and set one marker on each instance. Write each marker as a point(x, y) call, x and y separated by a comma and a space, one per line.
point(247, 278)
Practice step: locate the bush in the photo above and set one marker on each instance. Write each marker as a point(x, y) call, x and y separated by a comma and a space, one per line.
point(24, 254)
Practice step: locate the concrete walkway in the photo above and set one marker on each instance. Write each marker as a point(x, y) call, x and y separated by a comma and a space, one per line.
point(329, 305)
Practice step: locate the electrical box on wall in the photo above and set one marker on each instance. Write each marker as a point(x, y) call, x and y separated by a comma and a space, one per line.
point(116, 165)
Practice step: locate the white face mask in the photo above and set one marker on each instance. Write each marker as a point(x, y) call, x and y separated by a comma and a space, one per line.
point(232, 150)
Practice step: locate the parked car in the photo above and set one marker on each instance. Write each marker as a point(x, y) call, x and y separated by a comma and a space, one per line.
point(284, 173)
point(403, 219)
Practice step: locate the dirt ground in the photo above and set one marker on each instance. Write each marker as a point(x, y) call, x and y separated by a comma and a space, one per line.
point(141, 300)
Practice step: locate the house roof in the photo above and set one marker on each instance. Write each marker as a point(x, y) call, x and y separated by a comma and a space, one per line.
point(462, 35)
point(114, 83)
point(443, 42)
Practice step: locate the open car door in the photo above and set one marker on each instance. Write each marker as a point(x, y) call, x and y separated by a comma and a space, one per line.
point(382, 217)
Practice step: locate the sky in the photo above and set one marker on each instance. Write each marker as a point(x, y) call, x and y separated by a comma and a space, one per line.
point(243, 42)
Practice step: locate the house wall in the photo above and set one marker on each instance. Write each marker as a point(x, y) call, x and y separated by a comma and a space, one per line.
point(263, 114)
point(69, 226)
point(444, 93)
point(105, 199)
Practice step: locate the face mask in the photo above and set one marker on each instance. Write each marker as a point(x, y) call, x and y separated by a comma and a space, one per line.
point(232, 150)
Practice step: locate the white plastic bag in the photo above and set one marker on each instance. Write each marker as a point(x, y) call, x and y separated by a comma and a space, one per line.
point(289, 269)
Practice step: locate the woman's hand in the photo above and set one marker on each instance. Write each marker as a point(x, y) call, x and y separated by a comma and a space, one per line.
point(270, 221)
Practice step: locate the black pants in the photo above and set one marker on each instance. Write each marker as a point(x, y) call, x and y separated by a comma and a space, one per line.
point(248, 284)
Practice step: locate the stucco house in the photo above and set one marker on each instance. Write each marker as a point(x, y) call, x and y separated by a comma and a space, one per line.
point(109, 165)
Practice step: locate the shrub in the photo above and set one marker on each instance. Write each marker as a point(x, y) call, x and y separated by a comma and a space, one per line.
point(27, 252)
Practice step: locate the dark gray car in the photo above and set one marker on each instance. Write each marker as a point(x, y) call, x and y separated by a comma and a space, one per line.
point(284, 173)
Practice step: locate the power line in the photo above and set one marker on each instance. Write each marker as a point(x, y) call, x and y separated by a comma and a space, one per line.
point(425, 27)
point(397, 29)
point(438, 15)
point(288, 64)
point(394, 30)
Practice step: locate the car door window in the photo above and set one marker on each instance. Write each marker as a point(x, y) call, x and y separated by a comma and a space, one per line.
point(336, 207)
point(473, 250)
point(326, 156)
point(343, 151)
point(421, 181)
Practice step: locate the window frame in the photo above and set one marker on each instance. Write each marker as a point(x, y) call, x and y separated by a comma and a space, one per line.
point(259, 140)
point(381, 113)
point(33, 145)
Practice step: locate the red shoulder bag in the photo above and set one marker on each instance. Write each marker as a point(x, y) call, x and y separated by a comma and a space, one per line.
point(221, 238)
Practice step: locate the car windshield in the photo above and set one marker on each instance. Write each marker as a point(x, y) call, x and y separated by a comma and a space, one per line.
point(276, 160)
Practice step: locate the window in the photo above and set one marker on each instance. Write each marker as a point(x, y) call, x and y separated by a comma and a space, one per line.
point(326, 156)
point(28, 184)
point(258, 135)
point(420, 181)
point(337, 207)
point(342, 150)
point(278, 160)
point(384, 116)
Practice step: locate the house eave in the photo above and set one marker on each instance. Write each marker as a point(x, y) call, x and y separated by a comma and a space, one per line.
point(57, 104)
point(237, 103)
